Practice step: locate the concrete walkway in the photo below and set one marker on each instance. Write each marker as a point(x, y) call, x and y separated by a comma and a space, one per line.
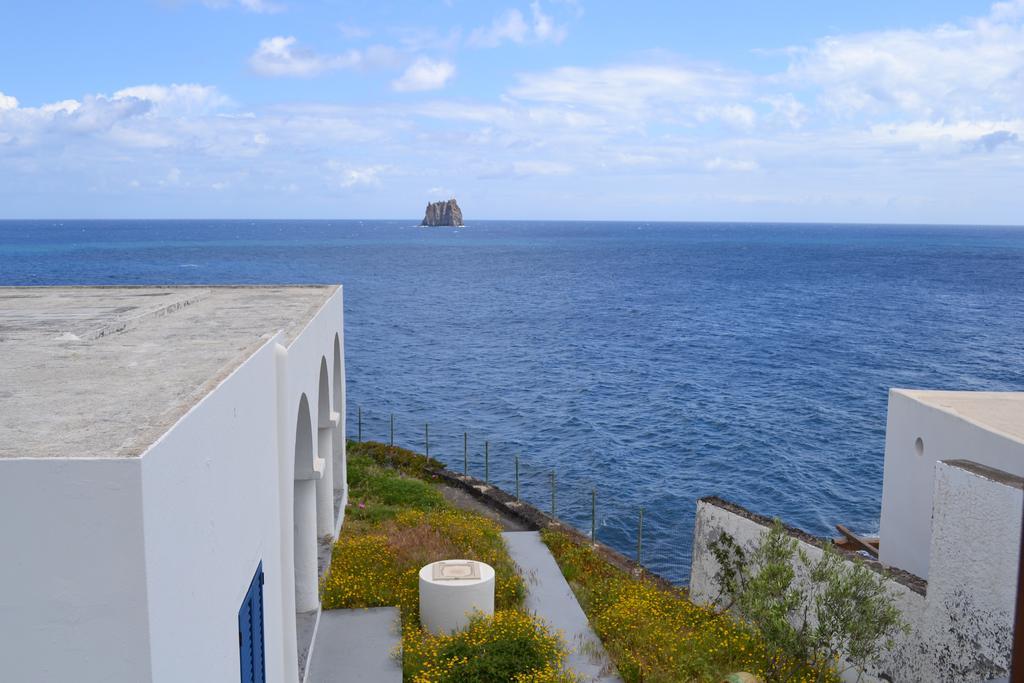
point(356, 645)
point(548, 596)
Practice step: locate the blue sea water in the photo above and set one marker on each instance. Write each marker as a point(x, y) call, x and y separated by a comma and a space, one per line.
point(653, 362)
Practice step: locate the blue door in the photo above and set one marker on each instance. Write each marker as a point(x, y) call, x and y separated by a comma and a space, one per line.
point(250, 631)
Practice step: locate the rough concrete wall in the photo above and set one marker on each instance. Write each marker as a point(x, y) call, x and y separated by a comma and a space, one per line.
point(715, 517)
point(974, 555)
point(961, 620)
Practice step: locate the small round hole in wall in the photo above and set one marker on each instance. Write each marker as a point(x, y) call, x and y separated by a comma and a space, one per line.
point(919, 446)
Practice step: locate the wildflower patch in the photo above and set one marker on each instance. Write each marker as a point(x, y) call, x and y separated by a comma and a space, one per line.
point(397, 525)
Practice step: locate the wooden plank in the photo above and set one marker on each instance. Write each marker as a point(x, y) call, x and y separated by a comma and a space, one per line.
point(858, 542)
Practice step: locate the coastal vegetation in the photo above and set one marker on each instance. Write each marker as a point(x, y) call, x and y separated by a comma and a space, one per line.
point(655, 634)
point(398, 521)
point(825, 610)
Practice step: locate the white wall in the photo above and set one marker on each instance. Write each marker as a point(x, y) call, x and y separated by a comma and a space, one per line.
point(298, 375)
point(975, 553)
point(746, 529)
point(210, 501)
point(338, 402)
point(133, 569)
point(219, 495)
point(908, 479)
point(72, 571)
point(961, 620)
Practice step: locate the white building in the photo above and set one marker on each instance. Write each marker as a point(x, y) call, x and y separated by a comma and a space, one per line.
point(950, 532)
point(169, 458)
point(928, 427)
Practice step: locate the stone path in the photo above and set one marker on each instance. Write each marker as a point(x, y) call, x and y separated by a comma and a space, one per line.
point(356, 645)
point(548, 596)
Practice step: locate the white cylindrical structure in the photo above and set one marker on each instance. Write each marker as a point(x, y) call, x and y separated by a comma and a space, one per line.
point(446, 603)
point(325, 485)
point(306, 589)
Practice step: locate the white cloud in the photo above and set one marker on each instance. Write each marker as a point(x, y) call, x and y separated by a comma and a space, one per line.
point(511, 26)
point(635, 88)
point(949, 70)
point(528, 168)
point(929, 132)
point(787, 108)
point(1013, 10)
point(351, 31)
point(544, 27)
point(735, 115)
point(173, 177)
point(187, 98)
point(257, 6)
point(64, 106)
point(281, 56)
point(424, 74)
point(352, 176)
point(940, 142)
point(720, 164)
point(261, 6)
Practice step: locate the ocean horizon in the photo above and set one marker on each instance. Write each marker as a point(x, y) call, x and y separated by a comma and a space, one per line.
point(652, 362)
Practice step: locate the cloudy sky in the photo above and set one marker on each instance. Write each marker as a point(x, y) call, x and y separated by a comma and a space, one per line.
point(909, 112)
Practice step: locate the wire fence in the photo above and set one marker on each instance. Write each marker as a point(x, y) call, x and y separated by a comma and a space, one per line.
point(568, 494)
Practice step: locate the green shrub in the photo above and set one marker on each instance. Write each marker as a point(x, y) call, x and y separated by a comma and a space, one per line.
point(509, 646)
point(838, 610)
point(653, 633)
point(401, 459)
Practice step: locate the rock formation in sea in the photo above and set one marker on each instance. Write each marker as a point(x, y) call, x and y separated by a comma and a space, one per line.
point(443, 213)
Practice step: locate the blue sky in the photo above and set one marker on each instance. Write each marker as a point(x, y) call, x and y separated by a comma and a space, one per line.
point(906, 112)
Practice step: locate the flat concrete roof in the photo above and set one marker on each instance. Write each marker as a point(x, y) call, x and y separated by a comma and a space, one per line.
point(103, 372)
point(998, 411)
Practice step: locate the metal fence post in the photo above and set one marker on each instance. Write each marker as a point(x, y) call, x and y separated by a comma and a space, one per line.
point(360, 421)
point(426, 437)
point(517, 476)
point(487, 463)
point(552, 493)
point(465, 452)
point(392, 440)
point(640, 538)
point(593, 514)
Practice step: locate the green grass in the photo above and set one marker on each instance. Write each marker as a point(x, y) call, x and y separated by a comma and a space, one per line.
point(377, 493)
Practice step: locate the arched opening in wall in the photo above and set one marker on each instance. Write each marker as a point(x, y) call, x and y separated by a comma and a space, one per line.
point(338, 402)
point(325, 451)
point(304, 514)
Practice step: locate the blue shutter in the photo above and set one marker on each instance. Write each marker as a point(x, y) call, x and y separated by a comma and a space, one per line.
point(250, 632)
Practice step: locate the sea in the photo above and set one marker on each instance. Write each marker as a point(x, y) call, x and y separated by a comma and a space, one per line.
point(628, 365)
